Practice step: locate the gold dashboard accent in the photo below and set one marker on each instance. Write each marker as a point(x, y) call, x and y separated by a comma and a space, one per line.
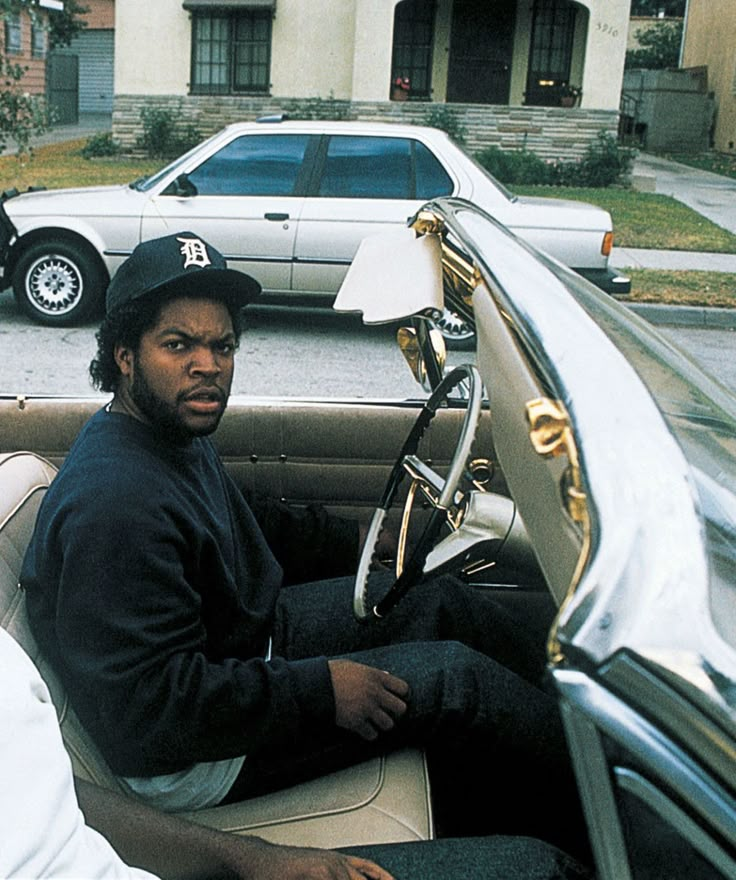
point(481, 471)
point(551, 436)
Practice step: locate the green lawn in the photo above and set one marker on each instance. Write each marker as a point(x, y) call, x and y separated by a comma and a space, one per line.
point(61, 165)
point(682, 288)
point(718, 163)
point(648, 220)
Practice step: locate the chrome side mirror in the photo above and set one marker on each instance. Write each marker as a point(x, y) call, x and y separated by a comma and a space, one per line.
point(424, 350)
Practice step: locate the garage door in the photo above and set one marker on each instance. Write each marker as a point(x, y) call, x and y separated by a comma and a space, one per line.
point(95, 50)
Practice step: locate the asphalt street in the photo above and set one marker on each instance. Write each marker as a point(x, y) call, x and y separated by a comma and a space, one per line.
point(278, 340)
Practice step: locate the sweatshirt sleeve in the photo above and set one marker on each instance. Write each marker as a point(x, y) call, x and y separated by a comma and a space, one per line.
point(128, 632)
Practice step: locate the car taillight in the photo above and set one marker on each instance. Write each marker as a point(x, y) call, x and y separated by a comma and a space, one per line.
point(607, 245)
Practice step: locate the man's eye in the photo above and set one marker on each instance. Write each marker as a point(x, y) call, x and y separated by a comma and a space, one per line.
point(175, 345)
point(225, 348)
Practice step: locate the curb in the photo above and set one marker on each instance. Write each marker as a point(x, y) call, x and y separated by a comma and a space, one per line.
point(686, 316)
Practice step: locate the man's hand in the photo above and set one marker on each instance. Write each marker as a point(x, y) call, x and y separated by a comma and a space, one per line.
point(368, 701)
point(304, 863)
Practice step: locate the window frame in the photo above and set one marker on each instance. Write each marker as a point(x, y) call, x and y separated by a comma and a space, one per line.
point(39, 33)
point(413, 18)
point(231, 43)
point(552, 36)
point(13, 28)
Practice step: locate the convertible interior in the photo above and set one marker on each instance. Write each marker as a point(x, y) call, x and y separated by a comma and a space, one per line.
point(351, 457)
point(521, 471)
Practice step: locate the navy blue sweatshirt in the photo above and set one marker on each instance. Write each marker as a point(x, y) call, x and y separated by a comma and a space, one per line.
point(150, 589)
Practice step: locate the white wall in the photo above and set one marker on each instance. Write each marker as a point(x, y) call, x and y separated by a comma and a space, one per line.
point(605, 53)
point(342, 49)
point(153, 39)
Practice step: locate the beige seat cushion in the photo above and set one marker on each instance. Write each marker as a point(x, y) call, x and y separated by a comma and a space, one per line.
point(382, 800)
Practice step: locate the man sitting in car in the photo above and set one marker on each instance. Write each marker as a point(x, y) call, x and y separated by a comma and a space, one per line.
point(156, 595)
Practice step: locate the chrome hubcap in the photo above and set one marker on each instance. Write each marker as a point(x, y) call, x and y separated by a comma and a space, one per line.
point(452, 326)
point(54, 285)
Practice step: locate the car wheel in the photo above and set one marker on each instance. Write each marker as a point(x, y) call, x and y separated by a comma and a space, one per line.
point(458, 334)
point(58, 283)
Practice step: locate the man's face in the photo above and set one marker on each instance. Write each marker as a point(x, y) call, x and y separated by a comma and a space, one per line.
point(179, 379)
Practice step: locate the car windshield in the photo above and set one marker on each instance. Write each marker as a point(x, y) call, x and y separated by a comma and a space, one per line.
point(144, 184)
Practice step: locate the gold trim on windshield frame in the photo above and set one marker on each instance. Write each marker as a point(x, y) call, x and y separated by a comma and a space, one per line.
point(461, 274)
point(551, 435)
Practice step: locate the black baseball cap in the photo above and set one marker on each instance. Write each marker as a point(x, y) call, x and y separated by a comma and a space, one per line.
point(181, 263)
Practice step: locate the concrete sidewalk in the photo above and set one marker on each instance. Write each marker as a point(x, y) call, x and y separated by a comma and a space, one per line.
point(641, 258)
point(712, 195)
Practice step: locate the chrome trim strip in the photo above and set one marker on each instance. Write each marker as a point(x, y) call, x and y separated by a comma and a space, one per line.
point(683, 776)
point(659, 803)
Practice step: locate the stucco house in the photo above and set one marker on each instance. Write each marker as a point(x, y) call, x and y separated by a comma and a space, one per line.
point(501, 65)
point(710, 40)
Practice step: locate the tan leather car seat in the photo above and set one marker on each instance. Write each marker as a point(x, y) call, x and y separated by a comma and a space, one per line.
point(383, 800)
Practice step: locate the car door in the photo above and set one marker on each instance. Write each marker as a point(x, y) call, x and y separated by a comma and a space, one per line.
point(245, 199)
point(364, 184)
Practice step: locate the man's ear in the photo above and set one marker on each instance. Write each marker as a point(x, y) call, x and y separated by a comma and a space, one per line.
point(124, 359)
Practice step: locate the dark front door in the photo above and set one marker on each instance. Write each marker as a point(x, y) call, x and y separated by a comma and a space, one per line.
point(481, 45)
point(62, 87)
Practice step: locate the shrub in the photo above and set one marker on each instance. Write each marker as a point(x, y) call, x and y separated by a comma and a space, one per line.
point(516, 166)
point(605, 163)
point(162, 138)
point(318, 108)
point(101, 144)
point(439, 116)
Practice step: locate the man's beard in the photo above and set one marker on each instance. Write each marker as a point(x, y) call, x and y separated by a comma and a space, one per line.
point(163, 417)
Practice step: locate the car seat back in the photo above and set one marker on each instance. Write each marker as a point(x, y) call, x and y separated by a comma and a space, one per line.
point(24, 478)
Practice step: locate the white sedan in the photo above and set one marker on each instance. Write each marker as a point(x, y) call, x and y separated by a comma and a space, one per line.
point(287, 202)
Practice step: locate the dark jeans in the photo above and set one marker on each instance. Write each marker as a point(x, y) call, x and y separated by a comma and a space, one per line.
point(489, 858)
point(475, 663)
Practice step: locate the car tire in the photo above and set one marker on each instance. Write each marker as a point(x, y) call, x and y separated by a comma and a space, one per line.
point(458, 334)
point(58, 283)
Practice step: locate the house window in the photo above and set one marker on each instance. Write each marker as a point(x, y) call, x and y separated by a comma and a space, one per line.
point(13, 44)
point(553, 32)
point(231, 52)
point(38, 41)
point(412, 54)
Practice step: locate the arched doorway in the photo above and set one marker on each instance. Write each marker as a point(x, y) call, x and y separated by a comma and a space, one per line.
point(551, 51)
point(411, 63)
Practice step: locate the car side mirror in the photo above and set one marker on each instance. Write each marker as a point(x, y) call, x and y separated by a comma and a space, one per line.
point(425, 352)
point(183, 187)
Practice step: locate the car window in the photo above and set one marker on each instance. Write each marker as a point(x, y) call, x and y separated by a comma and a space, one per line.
point(254, 165)
point(431, 178)
point(382, 168)
point(367, 168)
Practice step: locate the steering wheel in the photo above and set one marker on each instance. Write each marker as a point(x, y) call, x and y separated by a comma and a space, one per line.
point(438, 491)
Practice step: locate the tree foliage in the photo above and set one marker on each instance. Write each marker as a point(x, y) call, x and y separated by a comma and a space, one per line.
point(22, 115)
point(659, 47)
point(674, 8)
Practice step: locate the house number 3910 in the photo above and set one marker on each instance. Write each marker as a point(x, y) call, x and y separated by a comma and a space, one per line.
point(607, 29)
